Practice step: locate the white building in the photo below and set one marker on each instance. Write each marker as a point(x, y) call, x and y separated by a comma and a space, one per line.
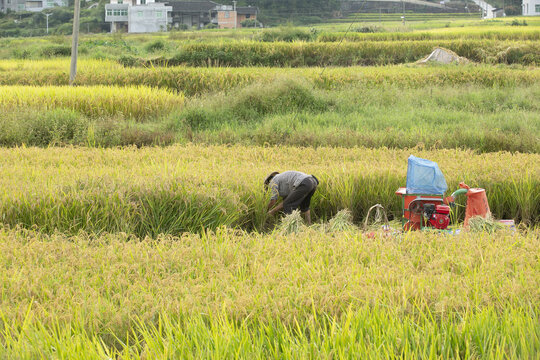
point(488, 10)
point(30, 5)
point(531, 7)
point(137, 16)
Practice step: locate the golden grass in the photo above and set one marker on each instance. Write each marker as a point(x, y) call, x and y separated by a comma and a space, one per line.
point(105, 283)
point(133, 102)
point(444, 33)
point(192, 81)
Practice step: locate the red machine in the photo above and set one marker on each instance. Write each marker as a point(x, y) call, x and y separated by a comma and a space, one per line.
point(423, 211)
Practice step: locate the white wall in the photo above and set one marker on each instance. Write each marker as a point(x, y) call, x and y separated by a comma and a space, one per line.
point(529, 7)
point(145, 18)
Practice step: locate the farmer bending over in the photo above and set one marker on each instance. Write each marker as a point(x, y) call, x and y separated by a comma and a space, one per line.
point(296, 189)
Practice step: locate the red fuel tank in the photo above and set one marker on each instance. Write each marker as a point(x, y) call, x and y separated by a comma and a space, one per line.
point(442, 209)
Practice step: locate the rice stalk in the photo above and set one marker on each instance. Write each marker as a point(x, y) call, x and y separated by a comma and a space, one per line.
point(291, 223)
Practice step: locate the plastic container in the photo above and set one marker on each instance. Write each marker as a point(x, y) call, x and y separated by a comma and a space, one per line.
point(510, 224)
point(477, 204)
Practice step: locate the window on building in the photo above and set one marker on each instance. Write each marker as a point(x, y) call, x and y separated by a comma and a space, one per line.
point(139, 13)
point(116, 12)
point(21, 6)
point(248, 16)
point(50, 3)
point(227, 14)
point(537, 8)
point(109, 12)
point(120, 2)
point(9, 2)
point(159, 14)
point(123, 12)
point(143, 2)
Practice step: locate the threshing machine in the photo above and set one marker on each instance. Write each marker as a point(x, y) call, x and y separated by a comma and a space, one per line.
point(423, 202)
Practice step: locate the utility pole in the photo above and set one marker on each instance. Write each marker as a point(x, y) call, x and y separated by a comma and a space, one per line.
point(403, 17)
point(47, 15)
point(235, 14)
point(75, 42)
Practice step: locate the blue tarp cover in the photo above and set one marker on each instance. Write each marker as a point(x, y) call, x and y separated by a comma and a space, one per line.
point(424, 177)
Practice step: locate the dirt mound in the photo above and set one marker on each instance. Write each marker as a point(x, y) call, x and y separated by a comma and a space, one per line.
point(443, 56)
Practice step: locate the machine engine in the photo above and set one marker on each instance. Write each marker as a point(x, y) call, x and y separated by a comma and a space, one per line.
point(437, 215)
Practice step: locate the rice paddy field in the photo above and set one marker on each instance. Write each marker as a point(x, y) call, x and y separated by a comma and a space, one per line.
point(133, 218)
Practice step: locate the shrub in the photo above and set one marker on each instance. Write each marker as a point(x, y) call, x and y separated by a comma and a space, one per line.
point(287, 34)
point(157, 45)
point(21, 54)
point(56, 50)
point(253, 103)
point(64, 29)
point(368, 29)
point(516, 22)
point(250, 23)
point(38, 128)
point(129, 61)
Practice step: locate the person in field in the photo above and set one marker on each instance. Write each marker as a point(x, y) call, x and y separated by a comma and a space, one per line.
point(296, 189)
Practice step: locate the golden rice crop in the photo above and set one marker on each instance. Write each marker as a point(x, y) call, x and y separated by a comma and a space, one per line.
point(184, 188)
point(192, 81)
point(469, 32)
point(473, 293)
point(133, 102)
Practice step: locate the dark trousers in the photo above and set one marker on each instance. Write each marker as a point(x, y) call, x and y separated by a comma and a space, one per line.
point(300, 197)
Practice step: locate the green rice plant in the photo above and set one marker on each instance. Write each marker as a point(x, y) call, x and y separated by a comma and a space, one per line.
point(297, 112)
point(301, 54)
point(132, 102)
point(188, 188)
point(220, 337)
point(228, 293)
point(42, 128)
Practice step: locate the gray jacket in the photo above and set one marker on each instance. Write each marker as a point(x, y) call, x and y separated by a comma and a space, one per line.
point(283, 184)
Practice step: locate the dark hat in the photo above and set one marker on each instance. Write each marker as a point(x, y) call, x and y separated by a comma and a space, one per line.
point(270, 177)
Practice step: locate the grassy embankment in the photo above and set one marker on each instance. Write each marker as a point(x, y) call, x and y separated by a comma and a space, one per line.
point(329, 53)
point(481, 108)
point(484, 41)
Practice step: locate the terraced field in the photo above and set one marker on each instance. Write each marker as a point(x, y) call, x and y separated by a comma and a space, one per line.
point(133, 219)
